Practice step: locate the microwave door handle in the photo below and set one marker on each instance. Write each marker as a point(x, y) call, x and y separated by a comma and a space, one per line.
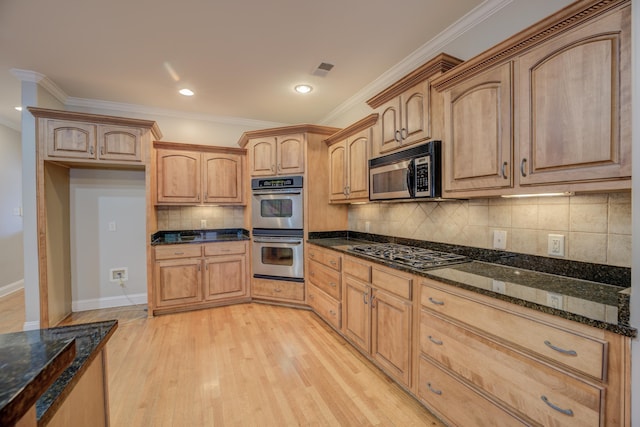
point(410, 178)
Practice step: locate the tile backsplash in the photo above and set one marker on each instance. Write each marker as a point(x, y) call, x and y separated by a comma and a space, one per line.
point(189, 217)
point(597, 227)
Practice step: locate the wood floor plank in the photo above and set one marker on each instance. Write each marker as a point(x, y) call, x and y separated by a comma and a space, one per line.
point(245, 365)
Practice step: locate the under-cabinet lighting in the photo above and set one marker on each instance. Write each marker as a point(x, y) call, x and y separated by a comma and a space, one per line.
point(514, 196)
point(186, 92)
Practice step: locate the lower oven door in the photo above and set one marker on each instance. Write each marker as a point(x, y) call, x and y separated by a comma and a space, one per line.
point(278, 257)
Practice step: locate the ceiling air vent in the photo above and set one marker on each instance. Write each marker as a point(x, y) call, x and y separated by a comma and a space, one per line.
point(323, 69)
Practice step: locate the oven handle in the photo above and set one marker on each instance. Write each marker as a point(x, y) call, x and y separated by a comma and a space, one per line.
point(275, 192)
point(288, 242)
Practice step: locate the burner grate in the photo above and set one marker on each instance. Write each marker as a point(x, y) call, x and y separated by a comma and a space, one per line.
point(419, 258)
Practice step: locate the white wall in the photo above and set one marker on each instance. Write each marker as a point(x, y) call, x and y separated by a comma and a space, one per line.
point(11, 247)
point(98, 198)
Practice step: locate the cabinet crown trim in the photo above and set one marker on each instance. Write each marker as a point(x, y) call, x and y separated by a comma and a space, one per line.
point(285, 130)
point(439, 64)
point(356, 127)
point(47, 113)
point(196, 147)
point(562, 21)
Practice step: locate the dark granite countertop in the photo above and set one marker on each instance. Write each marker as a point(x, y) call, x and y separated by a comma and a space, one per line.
point(171, 237)
point(598, 297)
point(41, 366)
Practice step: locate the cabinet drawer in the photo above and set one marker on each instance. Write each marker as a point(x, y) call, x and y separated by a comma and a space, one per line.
point(576, 351)
point(178, 251)
point(460, 404)
point(226, 248)
point(277, 289)
point(329, 258)
point(325, 278)
point(533, 388)
point(327, 308)
point(392, 281)
point(357, 268)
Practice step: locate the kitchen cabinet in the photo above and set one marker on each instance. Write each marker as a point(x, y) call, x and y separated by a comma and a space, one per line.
point(199, 174)
point(277, 155)
point(189, 276)
point(406, 108)
point(558, 373)
point(547, 110)
point(349, 161)
point(325, 284)
point(278, 290)
point(377, 315)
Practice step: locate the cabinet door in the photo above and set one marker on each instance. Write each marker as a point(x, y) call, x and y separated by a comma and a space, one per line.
point(478, 132)
point(415, 114)
point(225, 277)
point(574, 105)
point(222, 178)
point(356, 315)
point(388, 127)
point(68, 139)
point(337, 166)
point(178, 282)
point(391, 335)
point(358, 166)
point(262, 154)
point(119, 143)
point(178, 176)
point(290, 154)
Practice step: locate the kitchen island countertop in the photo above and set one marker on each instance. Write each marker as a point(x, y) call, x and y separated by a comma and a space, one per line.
point(597, 304)
point(41, 366)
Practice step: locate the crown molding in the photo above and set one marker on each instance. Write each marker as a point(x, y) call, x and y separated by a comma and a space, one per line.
point(42, 80)
point(142, 109)
point(418, 57)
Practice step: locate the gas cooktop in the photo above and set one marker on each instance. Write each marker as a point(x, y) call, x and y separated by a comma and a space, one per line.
point(409, 256)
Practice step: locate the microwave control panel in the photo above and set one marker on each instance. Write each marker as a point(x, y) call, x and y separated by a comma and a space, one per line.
point(423, 175)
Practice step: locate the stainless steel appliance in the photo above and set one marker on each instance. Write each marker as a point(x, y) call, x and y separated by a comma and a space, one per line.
point(277, 255)
point(414, 257)
point(277, 203)
point(408, 174)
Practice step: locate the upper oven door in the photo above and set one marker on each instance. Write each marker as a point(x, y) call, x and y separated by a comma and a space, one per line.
point(277, 209)
point(390, 181)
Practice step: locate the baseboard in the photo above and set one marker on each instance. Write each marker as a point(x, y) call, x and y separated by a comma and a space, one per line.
point(30, 326)
point(11, 288)
point(108, 302)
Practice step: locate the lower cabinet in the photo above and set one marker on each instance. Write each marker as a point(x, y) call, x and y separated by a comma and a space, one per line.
point(278, 290)
point(324, 269)
point(198, 275)
point(377, 315)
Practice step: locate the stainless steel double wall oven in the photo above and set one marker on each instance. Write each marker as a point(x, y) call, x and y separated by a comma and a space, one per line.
point(277, 226)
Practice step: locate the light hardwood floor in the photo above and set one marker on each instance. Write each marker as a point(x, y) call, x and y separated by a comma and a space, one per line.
point(12, 312)
point(244, 365)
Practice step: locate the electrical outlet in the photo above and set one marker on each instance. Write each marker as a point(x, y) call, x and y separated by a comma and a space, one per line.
point(203, 223)
point(556, 245)
point(554, 300)
point(499, 239)
point(498, 286)
point(120, 274)
point(112, 226)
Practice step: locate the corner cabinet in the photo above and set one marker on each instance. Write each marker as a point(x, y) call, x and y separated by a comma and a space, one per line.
point(188, 174)
point(548, 110)
point(407, 107)
point(191, 276)
point(349, 161)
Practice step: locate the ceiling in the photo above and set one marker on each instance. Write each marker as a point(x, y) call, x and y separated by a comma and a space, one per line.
point(241, 57)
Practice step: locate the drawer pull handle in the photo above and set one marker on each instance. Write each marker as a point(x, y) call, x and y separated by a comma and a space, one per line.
point(333, 285)
point(311, 296)
point(373, 297)
point(435, 301)
point(311, 274)
point(178, 253)
point(568, 412)
point(433, 390)
point(364, 296)
point(332, 262)
point(331, 312)
point(277, 290)
point(561, 350)
point(312, 255)
point(435, 341)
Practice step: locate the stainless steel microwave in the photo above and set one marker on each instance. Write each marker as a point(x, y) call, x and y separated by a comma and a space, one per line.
point(414, 173)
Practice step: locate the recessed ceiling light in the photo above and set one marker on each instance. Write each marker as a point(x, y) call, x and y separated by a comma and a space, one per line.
point(186, 92)
point(303, 88)
point(18, 108)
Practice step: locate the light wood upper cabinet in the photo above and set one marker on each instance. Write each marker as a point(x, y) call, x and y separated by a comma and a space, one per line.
point(119, 143)
point(574, 105)
point(349, 161)
point(407, 106)
point(548, 110)
point(478, 132)
point(277, 155)
point(201, 174)
point(70, 139)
